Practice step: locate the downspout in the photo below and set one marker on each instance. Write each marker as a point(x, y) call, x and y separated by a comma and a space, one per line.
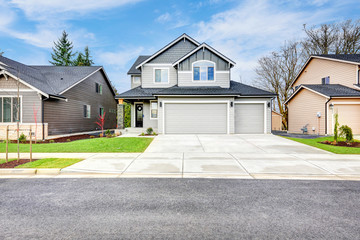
point(42, 117)
point(326, 118)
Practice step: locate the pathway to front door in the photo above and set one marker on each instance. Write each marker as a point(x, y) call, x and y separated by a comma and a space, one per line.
point(225, 156)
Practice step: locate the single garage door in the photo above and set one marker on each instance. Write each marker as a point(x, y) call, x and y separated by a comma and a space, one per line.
point(349, 114)
point(195, 118)
point(249, 118)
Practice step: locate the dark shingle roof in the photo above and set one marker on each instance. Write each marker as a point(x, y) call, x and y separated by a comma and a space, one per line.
point(139, 60)
point(344, 57)
point(61, 78)
point(333, 90)
point(52, 80)
point(235, 89)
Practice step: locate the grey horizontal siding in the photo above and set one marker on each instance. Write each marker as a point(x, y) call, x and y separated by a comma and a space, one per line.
point(147, 77)
point(133, 84)
point(175, 52)
point(66, 117)
point(222, 79)
point(31, 100)
point(186, 65)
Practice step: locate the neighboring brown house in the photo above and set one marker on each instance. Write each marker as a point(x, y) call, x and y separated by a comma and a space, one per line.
point(54, 99)
point(327, 84)
point(276, 121)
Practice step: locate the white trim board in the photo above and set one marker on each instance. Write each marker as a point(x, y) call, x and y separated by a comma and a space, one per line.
point(196, 102)
point(256, 102)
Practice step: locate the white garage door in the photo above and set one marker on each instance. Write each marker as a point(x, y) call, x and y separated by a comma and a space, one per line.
point(195, 118)
point(249, 118)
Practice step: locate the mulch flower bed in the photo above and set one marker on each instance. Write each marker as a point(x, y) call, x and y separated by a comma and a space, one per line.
point(342, 144)
point(61, 140)
point(15, 163)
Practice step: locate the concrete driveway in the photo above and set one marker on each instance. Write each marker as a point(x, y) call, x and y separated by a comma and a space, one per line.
point(224, 156)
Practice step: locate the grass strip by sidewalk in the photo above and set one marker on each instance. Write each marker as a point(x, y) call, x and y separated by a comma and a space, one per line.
point(9, 160)
point(50, 163)
point(95, 145)
point(315, 142)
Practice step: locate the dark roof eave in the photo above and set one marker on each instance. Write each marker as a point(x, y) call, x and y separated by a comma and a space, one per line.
point(134, 98)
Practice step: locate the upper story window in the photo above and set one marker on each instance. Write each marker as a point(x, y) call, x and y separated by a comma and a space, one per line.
point(203, 71)
point(136, 79)
point(325, 80)
point(9, 109)
point(98, 88)
point(161, 75)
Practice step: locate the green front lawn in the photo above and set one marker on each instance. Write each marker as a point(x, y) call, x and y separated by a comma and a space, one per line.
point(88, 145)
point(4, 160)
point(50, 163)
point(335, 149)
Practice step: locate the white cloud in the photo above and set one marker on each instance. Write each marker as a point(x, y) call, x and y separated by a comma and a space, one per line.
point(41, 9)
point(254, 28)
point(164, 18)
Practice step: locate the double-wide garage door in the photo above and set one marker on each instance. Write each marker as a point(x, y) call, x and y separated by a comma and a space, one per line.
point(196, 118)
point(249, 118)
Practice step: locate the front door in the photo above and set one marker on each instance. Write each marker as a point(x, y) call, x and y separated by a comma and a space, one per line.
point(139, 115)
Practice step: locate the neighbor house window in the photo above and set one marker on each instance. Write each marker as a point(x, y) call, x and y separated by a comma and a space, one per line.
point(9, 108)
point(98, 88)
point(325, 80)
point(136, 79)
point(87, 111)
point(101, 111)
point(161, 75)
point(153, 109)
point(203, 71)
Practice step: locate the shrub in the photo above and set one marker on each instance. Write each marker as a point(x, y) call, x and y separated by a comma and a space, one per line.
point(108, 132)
point(142, 134)
point(92, 136)
point(346, 132)
point(68, 140)
point(149, 131)
point(336, 126)
point(22, 138)
point(154, 133)
point(51, 141)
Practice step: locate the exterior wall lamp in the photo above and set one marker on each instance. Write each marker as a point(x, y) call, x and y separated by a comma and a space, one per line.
point(331, 106)
point(231, 104)
point(160, 104)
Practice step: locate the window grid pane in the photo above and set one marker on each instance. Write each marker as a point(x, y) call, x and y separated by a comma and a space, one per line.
point(196, 73)
point(211, 73)
point(7, 109)
point(157, 75)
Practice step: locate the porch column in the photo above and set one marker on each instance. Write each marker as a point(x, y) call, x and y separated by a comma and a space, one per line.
point(120, 114)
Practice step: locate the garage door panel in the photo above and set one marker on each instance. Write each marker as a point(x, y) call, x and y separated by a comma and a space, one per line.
point(249, 118)
point(349, 114)
point(196, 118)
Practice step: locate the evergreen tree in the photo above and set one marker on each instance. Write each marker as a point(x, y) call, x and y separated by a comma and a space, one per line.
point(1, 52)
point(84, 59)
point(63, 54)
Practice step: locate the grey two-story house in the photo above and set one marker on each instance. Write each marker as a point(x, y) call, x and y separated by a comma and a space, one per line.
point(186, 87)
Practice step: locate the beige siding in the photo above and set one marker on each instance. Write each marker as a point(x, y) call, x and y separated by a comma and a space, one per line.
point(348, 110)
point(303, 110)
point(147, 76)
point(276, 121)
point(340, 73)
point(222, 79)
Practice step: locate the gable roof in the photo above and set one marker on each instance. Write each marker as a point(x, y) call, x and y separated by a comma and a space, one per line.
point(50, 80)
point(236, 89)
point(133, 70)
point(328, 90)
point(183, 36)
point(204, 45)
point(345, 58)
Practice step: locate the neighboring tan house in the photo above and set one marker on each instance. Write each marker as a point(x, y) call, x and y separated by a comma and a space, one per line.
point(186, 87)
point(54, 99)
point(326, 84)
point(276, 121)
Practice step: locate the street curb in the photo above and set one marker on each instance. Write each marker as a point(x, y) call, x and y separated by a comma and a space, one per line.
point(18, 171)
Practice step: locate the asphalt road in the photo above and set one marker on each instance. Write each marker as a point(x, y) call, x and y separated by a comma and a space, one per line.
point(178, 209)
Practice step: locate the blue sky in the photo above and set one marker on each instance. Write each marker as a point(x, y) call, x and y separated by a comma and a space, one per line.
point(117, 31)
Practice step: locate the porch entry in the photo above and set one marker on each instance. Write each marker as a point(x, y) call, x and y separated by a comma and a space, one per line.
point(139, 116)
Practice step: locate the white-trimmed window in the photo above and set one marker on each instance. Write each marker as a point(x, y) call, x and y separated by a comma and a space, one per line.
point(9, 108)
point(98, 88)
point(136, 79)
point(161, 75)
point(87, 111)
point(153, 109)
point(203, 71)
